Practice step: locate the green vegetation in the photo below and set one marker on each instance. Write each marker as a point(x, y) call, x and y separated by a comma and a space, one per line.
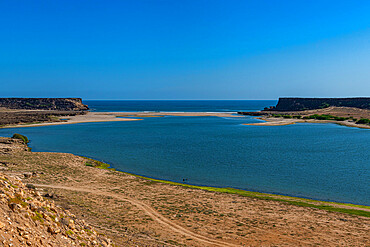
point(38, 217)
point(264, 196)
point(326, 117)
point(18, 200)
point(287, 199)
point(363, 121)
point(21, 137)
point(98, 164)
point(324, 105)
point(287, 116)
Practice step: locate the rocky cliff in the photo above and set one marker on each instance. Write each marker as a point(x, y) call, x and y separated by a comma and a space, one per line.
point(300, 104)
point(58, 104)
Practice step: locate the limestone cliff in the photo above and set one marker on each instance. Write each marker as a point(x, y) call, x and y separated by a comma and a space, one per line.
point(300, 104)
point(58, 104)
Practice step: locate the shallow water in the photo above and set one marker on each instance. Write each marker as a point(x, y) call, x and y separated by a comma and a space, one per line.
point(319, 161)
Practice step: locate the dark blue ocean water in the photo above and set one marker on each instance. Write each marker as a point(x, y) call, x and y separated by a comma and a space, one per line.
point(179, 105)
point(319, 161)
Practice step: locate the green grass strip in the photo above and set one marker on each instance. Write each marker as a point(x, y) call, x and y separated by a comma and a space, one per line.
point(264, 196)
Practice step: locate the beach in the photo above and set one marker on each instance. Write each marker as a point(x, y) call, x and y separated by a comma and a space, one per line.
point(96, 117)
point(349, 113)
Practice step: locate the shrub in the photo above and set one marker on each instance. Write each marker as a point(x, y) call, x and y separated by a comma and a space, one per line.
point(363, 121)
point(324, 105)
point(21, 137)
point(326, 117)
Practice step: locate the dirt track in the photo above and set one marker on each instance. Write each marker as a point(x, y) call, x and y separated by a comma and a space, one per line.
point(148, 210)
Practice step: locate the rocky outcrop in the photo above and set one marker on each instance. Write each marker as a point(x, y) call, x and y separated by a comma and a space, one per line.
point(301, 104)
point(56, 104)
point(11, 117)
point(27, 219)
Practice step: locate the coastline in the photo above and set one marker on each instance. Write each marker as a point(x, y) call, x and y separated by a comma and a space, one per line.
point(89, 117)
point(230, 190)
point(273, 121)
point(294, 200)
point(95, 117)
point(134, 210)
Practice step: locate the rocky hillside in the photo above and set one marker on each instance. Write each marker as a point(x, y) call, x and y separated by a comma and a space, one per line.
point(300, 104)
point(27, 219)
point(57, 104)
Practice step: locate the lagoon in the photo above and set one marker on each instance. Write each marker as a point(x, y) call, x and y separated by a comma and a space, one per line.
point(319, 161)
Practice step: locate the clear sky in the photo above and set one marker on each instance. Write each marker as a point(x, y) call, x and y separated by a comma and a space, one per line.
point(201, 49)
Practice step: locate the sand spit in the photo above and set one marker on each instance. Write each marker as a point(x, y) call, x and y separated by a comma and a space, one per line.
point(270, 118)
point(133, 211)
point(90, 117)
point(178, 114)
point(93, 117)
point(272, 121)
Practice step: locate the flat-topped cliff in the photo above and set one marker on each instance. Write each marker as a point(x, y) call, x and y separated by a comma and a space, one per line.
point(56, 104)
point(301, 104)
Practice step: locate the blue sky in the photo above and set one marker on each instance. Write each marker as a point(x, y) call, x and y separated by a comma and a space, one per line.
point(184, 49)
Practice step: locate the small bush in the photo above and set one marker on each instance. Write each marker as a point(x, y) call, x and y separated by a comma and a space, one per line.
point(363, 121)
point(21, 137)
point(324, 105)
point(326, 117)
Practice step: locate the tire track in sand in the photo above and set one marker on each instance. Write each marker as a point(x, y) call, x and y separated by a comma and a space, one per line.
point(149, 211)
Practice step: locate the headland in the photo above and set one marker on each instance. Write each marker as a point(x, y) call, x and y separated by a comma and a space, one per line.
point(351, 112)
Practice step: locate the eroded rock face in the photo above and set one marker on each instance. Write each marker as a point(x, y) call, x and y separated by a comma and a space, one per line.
point(10, 145)
point(58, 104)
point(27, 219)
point(300, 104)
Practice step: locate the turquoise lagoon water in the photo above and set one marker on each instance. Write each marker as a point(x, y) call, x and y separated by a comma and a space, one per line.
point(319, 161)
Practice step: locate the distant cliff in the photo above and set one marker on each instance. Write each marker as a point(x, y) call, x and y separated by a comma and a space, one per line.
point(301, 104)
point(57, 104)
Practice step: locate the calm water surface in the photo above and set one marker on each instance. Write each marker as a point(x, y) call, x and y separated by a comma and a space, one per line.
point(320, 161)
point(179, 105)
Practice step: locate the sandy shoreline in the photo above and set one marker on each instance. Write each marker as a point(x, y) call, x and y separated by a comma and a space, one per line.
point(272, 121)
point(138, 211)
point(90, 117)
point(94, 117)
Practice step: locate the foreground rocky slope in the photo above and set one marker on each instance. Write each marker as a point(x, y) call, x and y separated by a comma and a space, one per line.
point(28, 219)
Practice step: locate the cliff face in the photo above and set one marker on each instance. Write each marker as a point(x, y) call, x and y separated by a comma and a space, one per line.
point(57, 104)
point(300, 104)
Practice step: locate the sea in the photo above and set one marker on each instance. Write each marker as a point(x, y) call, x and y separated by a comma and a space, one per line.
point(317, 161)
